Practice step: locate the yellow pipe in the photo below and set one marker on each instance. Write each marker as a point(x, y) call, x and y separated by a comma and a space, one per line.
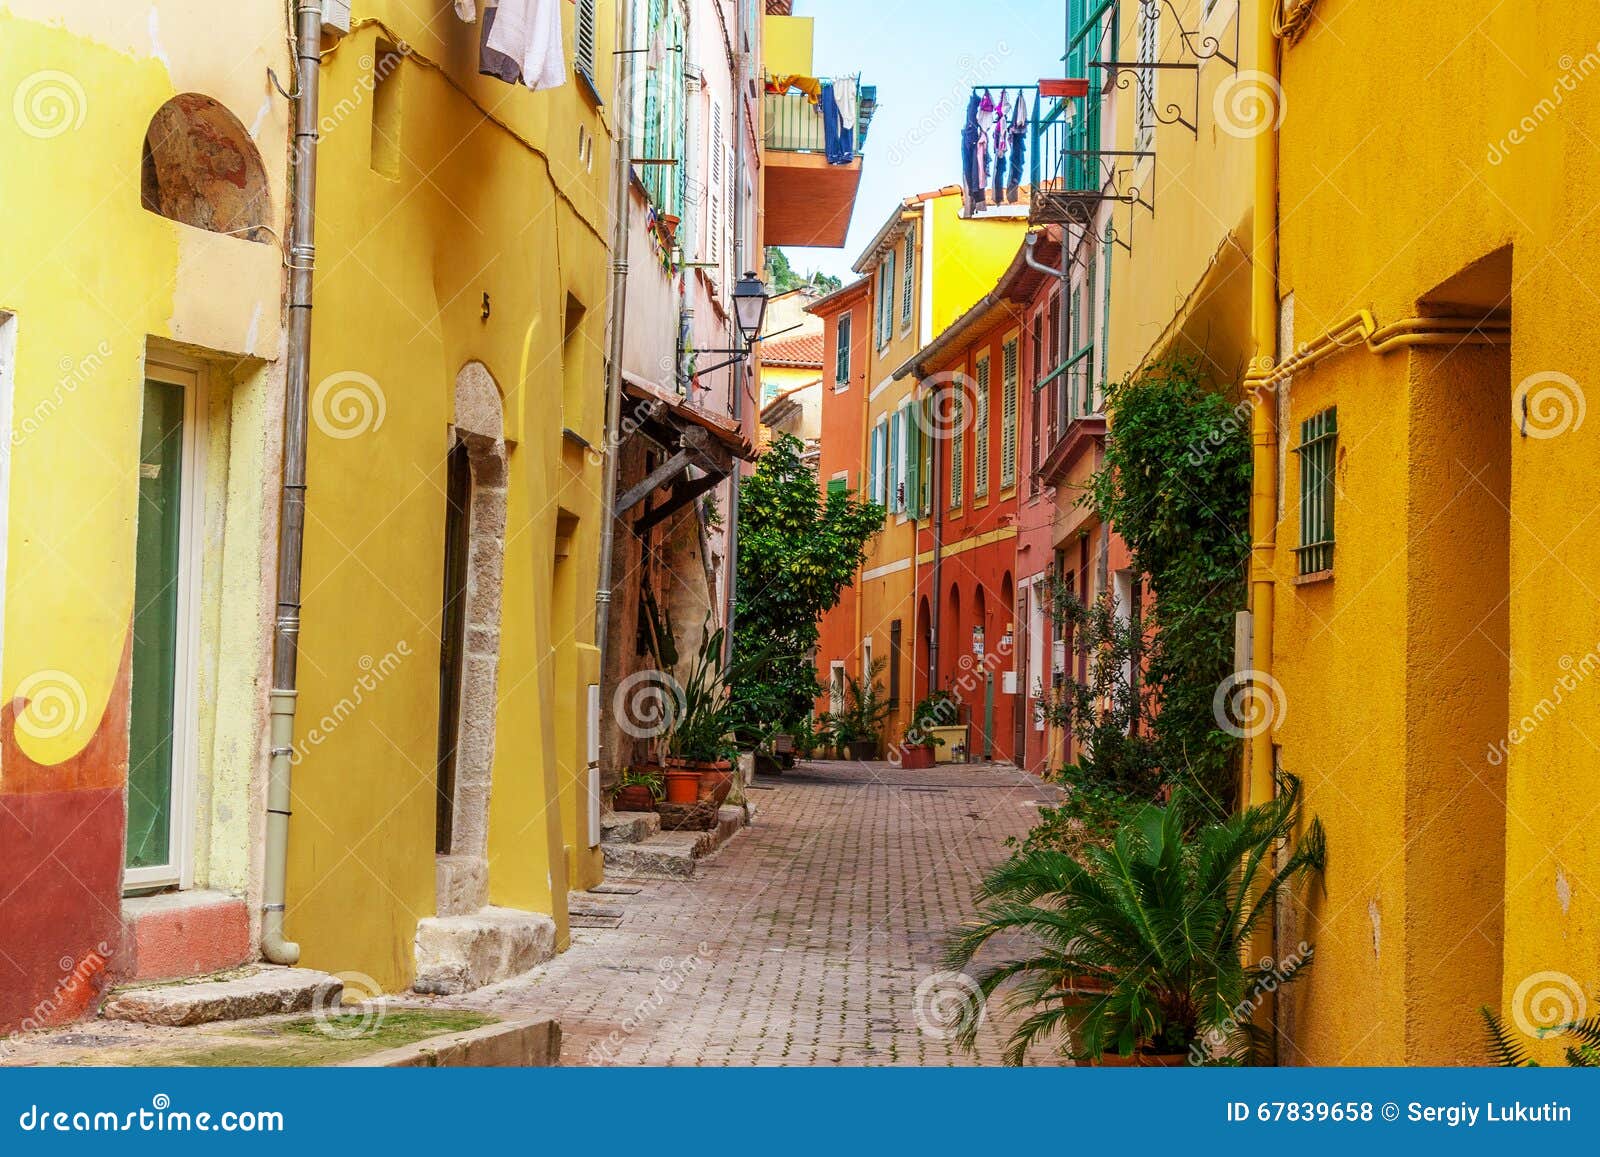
point(1263, 411)
point(1361, 331)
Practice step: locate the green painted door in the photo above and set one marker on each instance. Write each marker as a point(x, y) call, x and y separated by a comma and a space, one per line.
point(151, 748)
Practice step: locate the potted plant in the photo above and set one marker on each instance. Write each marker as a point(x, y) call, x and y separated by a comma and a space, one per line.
point(857, 730)
point(637, 791)
point(700, 745)
point(937, 709)
point(1139, 949)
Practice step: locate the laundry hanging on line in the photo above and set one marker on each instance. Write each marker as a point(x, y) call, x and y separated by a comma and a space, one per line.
point(520, 41)
point(810, 85)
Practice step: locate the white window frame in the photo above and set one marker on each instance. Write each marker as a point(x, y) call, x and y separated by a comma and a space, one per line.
point(173, 369)
point(836, 686)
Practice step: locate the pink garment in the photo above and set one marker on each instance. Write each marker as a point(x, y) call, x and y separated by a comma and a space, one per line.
point(529, 32)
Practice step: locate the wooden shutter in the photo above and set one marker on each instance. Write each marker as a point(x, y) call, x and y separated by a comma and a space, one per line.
point(892, 457)
point(980, 432)
point(913, 438)
point(958, 443)
point(583, 41)
point(1008, 415)
point(908, 276)
point(841, 357)
point(714, 205)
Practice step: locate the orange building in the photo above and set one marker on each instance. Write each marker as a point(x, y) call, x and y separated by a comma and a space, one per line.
point(844, 315)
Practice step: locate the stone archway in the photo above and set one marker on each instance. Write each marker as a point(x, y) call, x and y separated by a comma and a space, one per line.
point(479, 428)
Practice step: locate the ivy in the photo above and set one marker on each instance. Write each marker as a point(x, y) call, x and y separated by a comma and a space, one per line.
point(1175, 484)
point(798, 551)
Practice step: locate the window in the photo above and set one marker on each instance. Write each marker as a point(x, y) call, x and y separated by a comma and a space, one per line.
point(838, 484)
point(583, 38)
point(896, 642)
point(841, 355)
point(1149, 52)
point(958, 441)
point(1319, 440)
point(908, 277)
point(716, 210)
point(162, 704)
point(916, 504)
point(659, 125)
point(980, 431)
point(1008, 414)
point(886, 299)
point(836, 686)
point(875, 463)
point(892, 484)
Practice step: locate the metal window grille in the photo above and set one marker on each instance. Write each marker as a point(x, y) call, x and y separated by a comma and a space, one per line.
point(1319, 443)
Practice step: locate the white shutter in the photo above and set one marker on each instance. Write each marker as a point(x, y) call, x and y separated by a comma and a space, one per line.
point(1008, 415)
point(714, 247)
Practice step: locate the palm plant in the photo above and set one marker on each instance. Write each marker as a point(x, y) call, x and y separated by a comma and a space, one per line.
point(866, 707)
point(1509, 1052)
point(1140, 946)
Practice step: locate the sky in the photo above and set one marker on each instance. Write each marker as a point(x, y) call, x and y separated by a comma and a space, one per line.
point(924, 56)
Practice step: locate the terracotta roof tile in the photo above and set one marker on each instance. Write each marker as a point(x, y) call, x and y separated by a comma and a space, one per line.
point(803, 350)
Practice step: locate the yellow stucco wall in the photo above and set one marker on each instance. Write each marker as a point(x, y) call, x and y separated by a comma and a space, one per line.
point(504, 208)
point(786, 45)
point(1454, 647)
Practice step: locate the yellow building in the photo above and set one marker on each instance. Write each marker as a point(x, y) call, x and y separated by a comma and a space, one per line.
point(454, 504)
point(925, 267)
point(1433, 634)
point(441, 789)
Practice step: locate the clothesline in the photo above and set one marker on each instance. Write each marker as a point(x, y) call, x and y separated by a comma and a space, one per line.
point(994, 145)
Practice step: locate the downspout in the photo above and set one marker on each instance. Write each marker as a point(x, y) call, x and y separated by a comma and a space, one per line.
point(1258, 786)
point(292, 504)
point(621, 203)
point(936, 507)
point(739, 368)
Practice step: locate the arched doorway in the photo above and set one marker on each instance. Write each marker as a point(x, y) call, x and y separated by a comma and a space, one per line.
point(469, 644)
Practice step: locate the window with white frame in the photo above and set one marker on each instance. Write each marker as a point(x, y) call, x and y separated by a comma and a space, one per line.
point(886, 299)
point(876, 455)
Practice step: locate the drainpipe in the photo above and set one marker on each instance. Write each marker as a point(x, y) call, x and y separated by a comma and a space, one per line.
point(621, 203)
point(739, 368)
point(937, 507)
point(1264, 417)
point(292, 506)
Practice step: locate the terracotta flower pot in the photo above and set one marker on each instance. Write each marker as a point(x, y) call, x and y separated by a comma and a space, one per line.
point(715, 784)
point(863, 749)
point(1144, 1061)
point(917, 758)
point(636, 797)
point(683, 785)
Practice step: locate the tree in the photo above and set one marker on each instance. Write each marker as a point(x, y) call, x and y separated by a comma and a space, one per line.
point(797, 553)
point(782, 277)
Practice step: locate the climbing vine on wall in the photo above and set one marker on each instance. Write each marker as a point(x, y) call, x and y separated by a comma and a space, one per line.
point(1175, 484)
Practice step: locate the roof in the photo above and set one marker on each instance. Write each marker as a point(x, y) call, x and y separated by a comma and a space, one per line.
point(802, 351)
point(912, 202)
point(724, 430)
point(1017, 284)
point(839, 296)
point(770, 411)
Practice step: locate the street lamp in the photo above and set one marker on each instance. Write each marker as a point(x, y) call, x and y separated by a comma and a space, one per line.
point(750, 306)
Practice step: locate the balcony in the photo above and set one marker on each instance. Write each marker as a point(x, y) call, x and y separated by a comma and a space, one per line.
point(1070, 409)
point(810, 200)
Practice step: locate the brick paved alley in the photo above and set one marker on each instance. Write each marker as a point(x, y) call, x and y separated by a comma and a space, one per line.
point(803, 941)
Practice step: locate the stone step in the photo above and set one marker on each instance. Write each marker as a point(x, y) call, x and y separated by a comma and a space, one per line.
point(457, 954)
point(673, 855)
point(628, 827)
point(261, 992)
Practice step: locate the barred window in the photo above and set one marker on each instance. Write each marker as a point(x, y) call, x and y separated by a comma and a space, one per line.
point(1319, 442)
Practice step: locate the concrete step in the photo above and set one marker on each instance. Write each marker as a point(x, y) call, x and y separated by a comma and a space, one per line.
point(628, 827)
point(261, 992)
point(517, 1044)
point(673, 855)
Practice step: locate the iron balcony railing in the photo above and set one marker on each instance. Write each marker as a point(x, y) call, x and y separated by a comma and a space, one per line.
point(794, 123)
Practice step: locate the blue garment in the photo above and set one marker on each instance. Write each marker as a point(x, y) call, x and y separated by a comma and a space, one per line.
point(1019, 149)
point(838, 140)
point(971, 157)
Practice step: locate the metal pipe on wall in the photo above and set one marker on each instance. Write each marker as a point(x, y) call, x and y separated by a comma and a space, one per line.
point(292, 504)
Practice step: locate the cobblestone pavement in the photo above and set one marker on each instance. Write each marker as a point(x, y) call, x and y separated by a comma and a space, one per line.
point(802, 942)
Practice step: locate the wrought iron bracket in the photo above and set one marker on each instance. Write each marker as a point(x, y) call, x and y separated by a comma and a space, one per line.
point(1199, 46)
point(1122, 75)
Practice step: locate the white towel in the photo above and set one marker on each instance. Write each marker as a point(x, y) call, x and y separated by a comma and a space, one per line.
point(467, 10)
point(529, 32)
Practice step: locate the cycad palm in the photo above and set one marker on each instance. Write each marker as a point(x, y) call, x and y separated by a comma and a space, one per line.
point(1160, 921)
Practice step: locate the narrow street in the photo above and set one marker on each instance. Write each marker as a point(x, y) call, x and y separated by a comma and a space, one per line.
point(804, 941)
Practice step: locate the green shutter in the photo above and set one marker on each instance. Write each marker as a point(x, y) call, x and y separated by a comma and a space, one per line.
point(1008, 415)
point(913, 460)
point(980, 432)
